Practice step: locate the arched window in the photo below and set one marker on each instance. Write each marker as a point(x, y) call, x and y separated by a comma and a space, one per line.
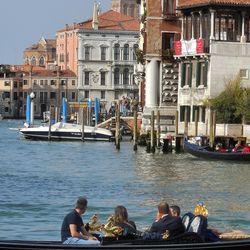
point(116, 76)
point(117, 52)
point(33, 61)
point(41, 61)
point(126, 52)
point(135, 48)
point(126, 76)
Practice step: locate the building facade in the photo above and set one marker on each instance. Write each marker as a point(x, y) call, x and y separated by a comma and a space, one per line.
point(214, 48)
point(160, 27)
point(126, 7)
point(49, 87)
point(106, 57)
point(41, 54)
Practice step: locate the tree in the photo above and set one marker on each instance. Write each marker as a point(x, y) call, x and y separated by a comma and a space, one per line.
point(230, 104)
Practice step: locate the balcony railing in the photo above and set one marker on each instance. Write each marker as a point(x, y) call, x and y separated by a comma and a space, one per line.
point(189, 47)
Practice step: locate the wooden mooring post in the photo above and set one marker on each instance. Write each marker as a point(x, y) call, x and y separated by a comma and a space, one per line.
point(50, 123)
point(117, 126)
point(135, 131)
point(152, 134)
point(83, 122)
point(158, 131)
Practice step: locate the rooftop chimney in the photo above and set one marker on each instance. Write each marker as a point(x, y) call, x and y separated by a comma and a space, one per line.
point(95, 16)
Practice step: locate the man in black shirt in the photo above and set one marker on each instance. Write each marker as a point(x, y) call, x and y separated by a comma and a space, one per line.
point(72, 231)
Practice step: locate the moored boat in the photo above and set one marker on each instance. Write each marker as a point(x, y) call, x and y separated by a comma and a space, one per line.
point(67, 131)
point(203, 152)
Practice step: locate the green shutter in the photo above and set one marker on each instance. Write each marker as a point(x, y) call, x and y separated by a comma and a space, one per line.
point(198, 74)
point(190, 74)
point(183, 74)
point(205, 74)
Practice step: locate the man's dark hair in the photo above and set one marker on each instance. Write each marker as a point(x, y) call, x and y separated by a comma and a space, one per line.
point(163, 207)
point(176, 209)
point(81, 203)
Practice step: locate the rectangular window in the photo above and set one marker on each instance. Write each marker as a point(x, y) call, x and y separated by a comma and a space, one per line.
point(184, 110)
point(15, 96)
point(25, 94)
point(52, 95)
point(45, 96)
point(103, 78)
point(52, 82)
point(7, 83)
point(73, 82)
point(15, 84)
point(201, 73)
point(168, 7)
point(6, 94)
point(41, 97)
point(102, 94)
point(186, 74)
point(25, 82)
point(86, 94)
point(73, 95)
point(195, 111)
point(87, 53)
point(103, 53)
point(41, 82)
point(86, 78)
point(244, 73)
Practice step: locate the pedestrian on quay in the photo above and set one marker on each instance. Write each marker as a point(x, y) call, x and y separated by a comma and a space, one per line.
point(73, 231)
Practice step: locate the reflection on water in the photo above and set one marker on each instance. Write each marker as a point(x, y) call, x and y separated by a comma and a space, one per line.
point(40, 181)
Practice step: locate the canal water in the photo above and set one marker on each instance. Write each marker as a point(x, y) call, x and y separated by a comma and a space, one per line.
point(40, 181)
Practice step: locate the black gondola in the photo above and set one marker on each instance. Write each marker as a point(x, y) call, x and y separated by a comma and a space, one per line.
point(203, 152)
point(127, 244)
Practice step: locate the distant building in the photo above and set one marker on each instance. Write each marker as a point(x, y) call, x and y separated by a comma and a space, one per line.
point(126, 7)
point(49, 86)
point(214, 48)
point(41, 54)
point(101, 51)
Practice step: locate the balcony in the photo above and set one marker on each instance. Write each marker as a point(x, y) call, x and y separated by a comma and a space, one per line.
point(125, 87)
point(190, 47)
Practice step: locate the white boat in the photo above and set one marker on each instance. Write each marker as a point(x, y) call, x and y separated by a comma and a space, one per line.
point(67, 131)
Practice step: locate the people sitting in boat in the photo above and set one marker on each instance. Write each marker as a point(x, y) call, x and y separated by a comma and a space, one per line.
point(197, 222)
point(166, 222)
point(246, 149)
point(121, 220)
point(220, 148)
point(237, 148)
point(73, 231)
point(175, 211)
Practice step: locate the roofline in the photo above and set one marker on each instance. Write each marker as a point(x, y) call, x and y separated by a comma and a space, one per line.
point(212, 4)
point(124, 32)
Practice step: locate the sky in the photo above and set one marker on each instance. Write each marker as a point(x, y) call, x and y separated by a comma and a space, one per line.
point(24, 22)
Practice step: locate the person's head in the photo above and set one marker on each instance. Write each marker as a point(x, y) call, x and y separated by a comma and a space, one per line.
point(121, 214)
point(163, 208)
point(175, 210)
point(81, 204)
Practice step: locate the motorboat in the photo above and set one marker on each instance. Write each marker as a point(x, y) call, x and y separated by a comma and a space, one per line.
point(66, 131)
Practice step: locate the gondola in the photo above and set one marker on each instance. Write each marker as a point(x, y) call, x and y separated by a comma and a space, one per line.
point(127, 244)
point(203, 152)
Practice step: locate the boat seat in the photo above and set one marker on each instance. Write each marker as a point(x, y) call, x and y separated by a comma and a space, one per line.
point(187, 219)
